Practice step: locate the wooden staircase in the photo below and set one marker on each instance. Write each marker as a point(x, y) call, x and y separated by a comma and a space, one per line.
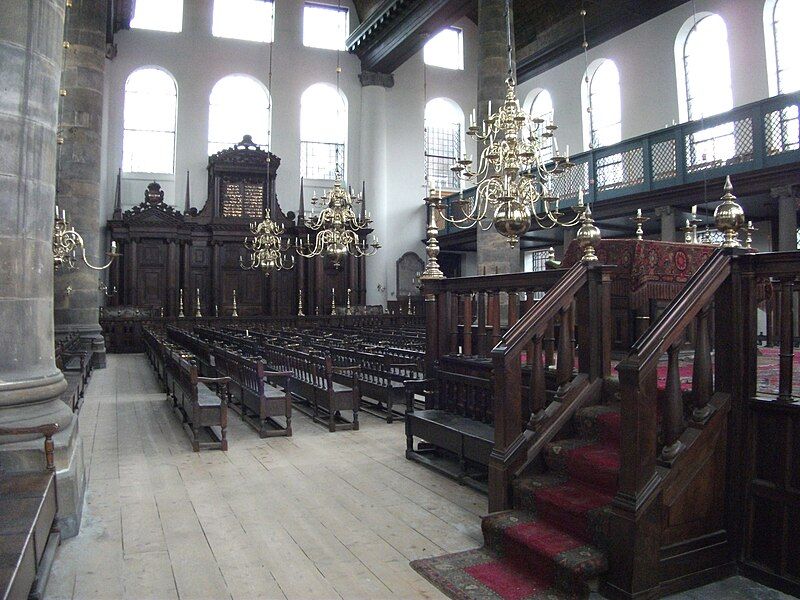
point(636, 489)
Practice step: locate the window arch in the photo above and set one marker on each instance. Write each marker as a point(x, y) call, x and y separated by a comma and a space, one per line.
point(239, 105)
point(539, 105)
point(323, 132)
point(148, 139)
point(781, 18)
point(603, 105)
point(704, 67)
point(444, 126)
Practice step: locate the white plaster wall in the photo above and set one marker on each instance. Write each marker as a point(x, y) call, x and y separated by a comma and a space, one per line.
point(197, 60)
point(645, 57)
point(386, 124)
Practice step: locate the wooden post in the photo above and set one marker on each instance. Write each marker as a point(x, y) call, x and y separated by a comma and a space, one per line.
point(787, 343)
point(467, 325)
point(702, 370)
point(566, 356)
point(673, 405)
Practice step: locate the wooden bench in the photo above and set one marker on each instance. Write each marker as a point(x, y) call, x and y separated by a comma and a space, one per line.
point(28, 533)
point(456, 423)
point(257, 394)
point(313, 378)
point(199, 406)
point(196, 346)
point(154, 350)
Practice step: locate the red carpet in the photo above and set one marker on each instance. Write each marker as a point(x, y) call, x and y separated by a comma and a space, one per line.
point(550, 547)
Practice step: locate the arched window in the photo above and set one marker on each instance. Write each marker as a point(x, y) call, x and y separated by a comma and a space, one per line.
point(239, 105)
point(603, 122)
point(704, 73)
point(444, 124)
point(323, 132)
point(159, 15)
point(781, 19)
point(148, 140)
point(707, 68)
point(539, 105)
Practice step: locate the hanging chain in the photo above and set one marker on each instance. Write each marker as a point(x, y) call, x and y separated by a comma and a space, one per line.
point(269, 79)
point(512, 75)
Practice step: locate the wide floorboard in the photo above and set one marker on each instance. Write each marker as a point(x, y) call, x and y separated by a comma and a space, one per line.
point(316, 515)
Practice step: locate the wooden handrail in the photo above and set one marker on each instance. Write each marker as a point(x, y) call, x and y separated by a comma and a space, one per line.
point(536, 319)
point(667, 330)
point(536, 281)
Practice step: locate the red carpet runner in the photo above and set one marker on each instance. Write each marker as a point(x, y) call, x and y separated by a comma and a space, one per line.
point(550, 546)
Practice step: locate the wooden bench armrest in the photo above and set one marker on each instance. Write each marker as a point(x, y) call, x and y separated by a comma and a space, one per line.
point(345, 369)
point(278, 373)
point(396, 365)
point(416, 386)
point(48, 430)
point(221, 380)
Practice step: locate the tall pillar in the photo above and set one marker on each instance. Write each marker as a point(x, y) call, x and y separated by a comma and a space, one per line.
point(79, 169)
point(31, 34)
point(668, 227)
point(373, 170)
point(494, 253)
point(787, 197)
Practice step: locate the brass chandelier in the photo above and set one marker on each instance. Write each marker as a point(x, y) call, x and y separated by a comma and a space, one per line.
point(339, 230)
point(268, 249)
point(514, 179)
point(66, 241)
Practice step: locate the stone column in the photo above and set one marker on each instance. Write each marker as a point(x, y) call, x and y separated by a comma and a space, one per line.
point(494, 253)
point(374, 88)
point(787, 197)
point(79, 169)
point(31, 35)
point(667, 214)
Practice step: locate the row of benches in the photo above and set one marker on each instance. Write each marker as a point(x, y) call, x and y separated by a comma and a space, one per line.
point(200, 407)
point(75, 359)
point(380, 374)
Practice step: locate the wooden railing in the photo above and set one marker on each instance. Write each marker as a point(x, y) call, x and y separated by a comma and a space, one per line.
point(467, 316)
point(577, 306)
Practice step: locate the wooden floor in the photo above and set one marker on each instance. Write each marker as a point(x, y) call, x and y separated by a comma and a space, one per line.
point(317, 515)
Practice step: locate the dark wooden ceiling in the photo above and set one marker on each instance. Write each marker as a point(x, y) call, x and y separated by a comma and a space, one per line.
point(547, 32)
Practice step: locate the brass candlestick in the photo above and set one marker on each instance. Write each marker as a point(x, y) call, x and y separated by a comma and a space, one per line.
point(216, 310)
point(180, 304)
point(235, 312)
point(432, 269)
point(333, 301)
point(161, 313)
point(748, 240)
point(409, 309)
point(300, 304)
point(197, 312)
point(639, 220)
point(348, 309)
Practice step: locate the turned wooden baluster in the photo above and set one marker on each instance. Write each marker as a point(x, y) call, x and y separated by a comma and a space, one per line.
point(468, 325)
point(673, 405)
point(494, 318)
point(454, 301)
point(550, 344)
point(513, 309)
point(787, 343)
point(525, 306)
point(481, 333)
point(566, 349)
point(702, 377)
point(538, 391)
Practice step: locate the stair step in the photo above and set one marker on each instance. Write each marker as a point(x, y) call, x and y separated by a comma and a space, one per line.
point(545, 550)
point(595, 464)
point(578, 509)
point(601, 422)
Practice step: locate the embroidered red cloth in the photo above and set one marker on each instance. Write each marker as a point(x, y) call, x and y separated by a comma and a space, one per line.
point(646, 269)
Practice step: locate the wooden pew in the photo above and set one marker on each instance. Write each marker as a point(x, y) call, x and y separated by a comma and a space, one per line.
point(28, 533)
point(313, 376)
point(457, 419)
point(255, 392)
point(196, 346)
point(199, 406)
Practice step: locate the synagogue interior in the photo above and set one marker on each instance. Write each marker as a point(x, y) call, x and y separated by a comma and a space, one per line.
point(338, 299)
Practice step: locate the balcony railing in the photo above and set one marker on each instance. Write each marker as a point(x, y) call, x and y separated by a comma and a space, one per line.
point(749, 138)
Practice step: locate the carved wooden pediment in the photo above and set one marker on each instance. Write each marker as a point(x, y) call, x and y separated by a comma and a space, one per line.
point(153, 211)
point(245, 154)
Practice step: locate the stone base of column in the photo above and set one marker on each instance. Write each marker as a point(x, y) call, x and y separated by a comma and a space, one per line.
point(27, 454)
point(90, 334)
